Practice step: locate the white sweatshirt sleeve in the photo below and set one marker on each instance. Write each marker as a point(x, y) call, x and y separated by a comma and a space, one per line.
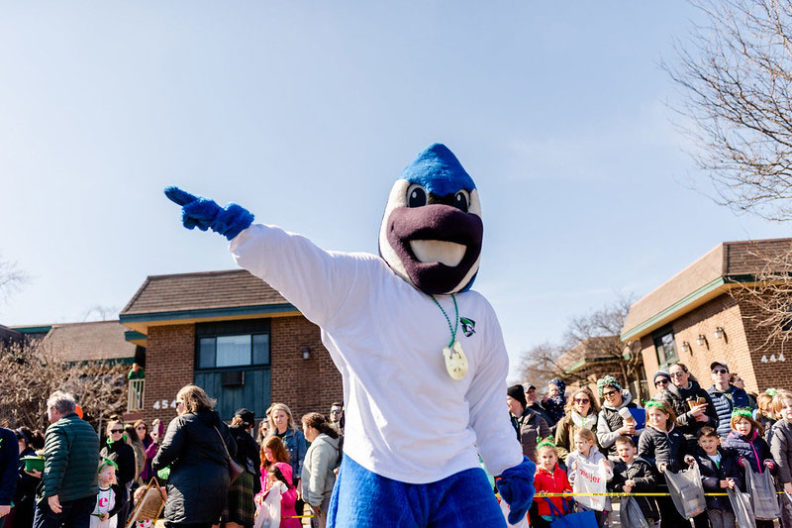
point(489, 417)
point(315, 281)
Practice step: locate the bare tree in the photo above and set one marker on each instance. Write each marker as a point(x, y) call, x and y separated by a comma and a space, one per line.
point(593, 337)
point(539, 364)
point(11, 279)
point(597, 335)
point(33, 371)
point(736, 76)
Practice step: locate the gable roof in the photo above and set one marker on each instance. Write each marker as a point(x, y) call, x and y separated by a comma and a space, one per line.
point(202, 296)
point(201, 291)
point(91, 341)
point(713, 274)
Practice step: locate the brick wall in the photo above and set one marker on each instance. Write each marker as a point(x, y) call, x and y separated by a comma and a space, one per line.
point(741, 348)
point(303, 385)
point(170, 358)
point(777, 373)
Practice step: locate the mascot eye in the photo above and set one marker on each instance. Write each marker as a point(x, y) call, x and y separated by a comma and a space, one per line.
point(416, 196)
point(461, 200)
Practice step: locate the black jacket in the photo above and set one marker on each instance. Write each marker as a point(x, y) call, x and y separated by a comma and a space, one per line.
point(122, 454)
point(685, 421)
point(199, 481)
point(9, 465)
point(658, 447)
point(711, 475)
point(646, 479)
point(247, 453)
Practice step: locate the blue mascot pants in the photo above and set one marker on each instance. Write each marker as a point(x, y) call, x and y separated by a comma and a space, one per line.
point(363, 499)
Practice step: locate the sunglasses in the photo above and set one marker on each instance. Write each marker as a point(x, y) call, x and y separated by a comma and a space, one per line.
point(581, 400)
point(141, 427)
point(335, 412)
point(661, 382)
point(116, 431)
point(608, 394)
point(720, 371)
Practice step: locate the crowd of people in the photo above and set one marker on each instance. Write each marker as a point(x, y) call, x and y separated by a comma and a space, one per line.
point(88, 483)
point(724, 431)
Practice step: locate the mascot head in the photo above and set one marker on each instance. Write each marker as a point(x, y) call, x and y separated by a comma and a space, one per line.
point(431, 231)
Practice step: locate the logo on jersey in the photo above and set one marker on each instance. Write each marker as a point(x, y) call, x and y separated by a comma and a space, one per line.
point(468, 326)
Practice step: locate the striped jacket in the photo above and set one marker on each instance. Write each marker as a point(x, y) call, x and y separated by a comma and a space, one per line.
point(71, 458)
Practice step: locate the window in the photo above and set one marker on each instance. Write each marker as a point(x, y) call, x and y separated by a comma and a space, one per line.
point(664, 346)
point(235, 344)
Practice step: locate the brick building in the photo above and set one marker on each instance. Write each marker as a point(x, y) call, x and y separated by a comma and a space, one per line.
point(232, 334)
point(703, 313)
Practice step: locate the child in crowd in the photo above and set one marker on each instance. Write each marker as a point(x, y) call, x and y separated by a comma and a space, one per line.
point(586, 451)
point(104, 513)
point(278, 482)
point(765, 414)
point(719, 471)
point(664, 445)
point(549, 478)
point(753, 452)
point(633, 474)
point(781, 449)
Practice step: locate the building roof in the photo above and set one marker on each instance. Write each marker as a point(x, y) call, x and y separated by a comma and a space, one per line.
point(203, 296)
point(716, 272)
point(590, 350)
point(91, 341)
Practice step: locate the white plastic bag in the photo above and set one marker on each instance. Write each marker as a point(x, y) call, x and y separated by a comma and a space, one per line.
point(269, 513)
point(590, 478)
point(505, 509)
point(763, 495)
point(686, 491)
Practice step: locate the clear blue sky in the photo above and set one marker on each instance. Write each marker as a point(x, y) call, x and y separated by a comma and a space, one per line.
point(306, 112)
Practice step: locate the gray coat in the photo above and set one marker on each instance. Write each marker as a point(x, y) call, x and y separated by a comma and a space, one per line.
point(781, 449)
point(318, 477)
point(199, 480)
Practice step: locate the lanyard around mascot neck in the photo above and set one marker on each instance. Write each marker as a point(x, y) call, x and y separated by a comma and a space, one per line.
point(455, 360)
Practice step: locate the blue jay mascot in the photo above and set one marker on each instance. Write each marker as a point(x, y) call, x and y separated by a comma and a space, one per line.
point(421, 354)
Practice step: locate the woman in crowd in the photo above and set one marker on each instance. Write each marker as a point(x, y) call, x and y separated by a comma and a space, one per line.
point(240, 511)
point(120, 452)
point(611, 422)
point(196, 446)
point(581, 413)
point(692, 405)
point(281, 424)
point(661, 381)
point(322, 458)
point(157, 431)
point(25, 496)
point(143, 435)
point(555, 401)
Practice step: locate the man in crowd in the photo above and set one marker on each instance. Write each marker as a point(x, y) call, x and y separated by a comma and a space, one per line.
point(725, 396)
point(67, 493)
point(336, 417)
point(531, 428)
point(533, 403)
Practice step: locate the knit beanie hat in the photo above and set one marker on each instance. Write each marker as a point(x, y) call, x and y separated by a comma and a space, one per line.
point(607, 381)
point(518, 393)
point(661, 374)
point(558, 383)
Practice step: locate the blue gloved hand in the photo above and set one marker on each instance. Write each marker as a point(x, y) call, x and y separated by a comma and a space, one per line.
point(206, 214)
point(516, 487)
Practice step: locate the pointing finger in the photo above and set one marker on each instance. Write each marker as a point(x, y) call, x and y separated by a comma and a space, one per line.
point(178, 196)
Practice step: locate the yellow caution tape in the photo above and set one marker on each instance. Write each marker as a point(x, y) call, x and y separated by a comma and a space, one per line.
point(569, 494)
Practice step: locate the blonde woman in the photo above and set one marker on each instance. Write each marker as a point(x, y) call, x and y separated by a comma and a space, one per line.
point(194, 449)
point(581, 413)
point(282, 425)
